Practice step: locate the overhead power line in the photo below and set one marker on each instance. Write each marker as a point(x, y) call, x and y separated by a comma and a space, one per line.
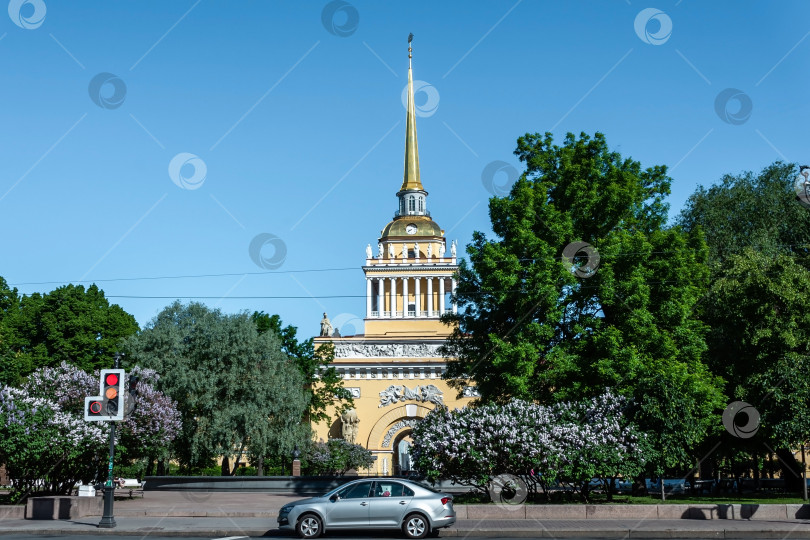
point(228, 297)
point(188, 276)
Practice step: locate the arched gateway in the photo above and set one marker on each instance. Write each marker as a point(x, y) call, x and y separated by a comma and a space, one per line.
point(394, 369)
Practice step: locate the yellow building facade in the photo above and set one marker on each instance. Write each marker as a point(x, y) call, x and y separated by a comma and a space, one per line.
point(394, 370)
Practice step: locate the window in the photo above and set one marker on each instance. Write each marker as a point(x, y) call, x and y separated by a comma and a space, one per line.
point(356, 491)
point(392, 489)
point(421, 204)
point(404, 455)
point(412, 203)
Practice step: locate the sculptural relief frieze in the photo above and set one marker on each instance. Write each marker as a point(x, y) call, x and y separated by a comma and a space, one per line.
point(399, 392)
point(387, 350)
point(407, 422)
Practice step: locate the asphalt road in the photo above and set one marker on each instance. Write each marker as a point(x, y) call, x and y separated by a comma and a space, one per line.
point(340, 536)
point(337, 535)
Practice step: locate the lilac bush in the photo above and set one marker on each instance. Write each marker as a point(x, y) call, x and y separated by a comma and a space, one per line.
point(45, 448)
point(336, 456)
point(568, 443)
point(47, 445)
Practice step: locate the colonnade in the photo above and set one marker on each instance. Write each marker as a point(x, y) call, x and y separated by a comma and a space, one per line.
point(423, 297)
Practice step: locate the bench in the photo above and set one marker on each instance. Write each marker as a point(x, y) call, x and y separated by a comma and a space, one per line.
point(131, 484)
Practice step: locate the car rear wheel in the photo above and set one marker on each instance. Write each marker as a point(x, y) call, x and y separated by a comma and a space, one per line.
point(309, 526)
point(416, 526)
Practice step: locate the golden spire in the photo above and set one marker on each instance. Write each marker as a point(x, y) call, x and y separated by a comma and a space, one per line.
point(411, 180)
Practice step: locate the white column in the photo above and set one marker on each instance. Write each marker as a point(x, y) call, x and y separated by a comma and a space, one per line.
point(404, 297)
point(393, 297)
point(417, 295)
point(430, 297)
point(441, 296)
point(368, 297)
point(380, 296)
point(453, 290)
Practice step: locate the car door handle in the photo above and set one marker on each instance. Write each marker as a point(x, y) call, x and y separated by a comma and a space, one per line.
point(363, 504)
point(402, 502)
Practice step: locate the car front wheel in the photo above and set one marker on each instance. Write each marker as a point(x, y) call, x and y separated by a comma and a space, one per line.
point(309, 526)
point(416, 526)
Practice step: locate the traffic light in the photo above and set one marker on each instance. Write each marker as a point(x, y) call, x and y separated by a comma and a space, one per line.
point(110, 404)
point(131, 397)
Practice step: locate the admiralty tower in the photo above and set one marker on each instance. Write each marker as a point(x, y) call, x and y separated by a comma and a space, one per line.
point(394, 370)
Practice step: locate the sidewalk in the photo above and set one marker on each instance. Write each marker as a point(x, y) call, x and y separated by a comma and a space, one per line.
point(222, 514)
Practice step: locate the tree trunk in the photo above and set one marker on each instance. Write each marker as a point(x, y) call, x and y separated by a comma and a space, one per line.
point(639, 488)
point(790, 470)
point(225, 468)
point(260, 466)
point(804, 475)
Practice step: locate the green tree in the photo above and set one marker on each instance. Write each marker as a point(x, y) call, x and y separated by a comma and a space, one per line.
point(757, 235)
point(236, 390)
point(529, 328)
point(14, 364)
point(71, 324)
point(757, 211)
point(760, 339)
point(323, 384)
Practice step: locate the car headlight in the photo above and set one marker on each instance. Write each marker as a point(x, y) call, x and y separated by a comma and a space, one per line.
point(286, 510)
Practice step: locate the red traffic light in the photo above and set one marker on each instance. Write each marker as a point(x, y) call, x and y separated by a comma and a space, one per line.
point(111, 379)
point(95, 407)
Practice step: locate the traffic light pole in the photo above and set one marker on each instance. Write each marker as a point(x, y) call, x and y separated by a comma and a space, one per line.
point(108, 520)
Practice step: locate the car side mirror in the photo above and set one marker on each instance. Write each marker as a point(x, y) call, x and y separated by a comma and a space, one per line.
point(334, 498)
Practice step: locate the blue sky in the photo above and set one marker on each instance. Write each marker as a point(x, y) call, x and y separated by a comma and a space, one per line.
point(299, 128)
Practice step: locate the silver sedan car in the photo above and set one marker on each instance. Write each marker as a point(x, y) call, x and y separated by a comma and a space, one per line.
point(380, 503)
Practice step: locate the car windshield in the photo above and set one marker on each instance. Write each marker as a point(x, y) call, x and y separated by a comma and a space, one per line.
point(337, 489)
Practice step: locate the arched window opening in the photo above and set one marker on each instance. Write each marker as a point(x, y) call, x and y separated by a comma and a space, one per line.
point(412, 203)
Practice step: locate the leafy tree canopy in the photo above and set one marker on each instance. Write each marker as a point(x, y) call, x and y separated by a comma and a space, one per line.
point(758, 237)
point(529, 328)
point(236, 390)
point(757, 211)
point(69, 324)
point(323, 383)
